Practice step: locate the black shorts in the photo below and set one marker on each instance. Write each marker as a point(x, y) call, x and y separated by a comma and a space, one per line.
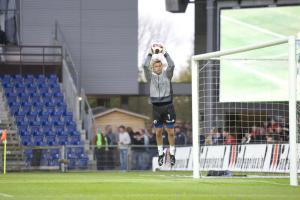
point(164, 114)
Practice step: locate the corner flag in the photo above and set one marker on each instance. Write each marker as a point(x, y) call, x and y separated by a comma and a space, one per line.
point(4, 141)
point(4, 136)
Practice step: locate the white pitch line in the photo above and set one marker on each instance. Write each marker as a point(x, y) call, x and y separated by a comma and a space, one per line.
point(6, 195)
point(253, 27)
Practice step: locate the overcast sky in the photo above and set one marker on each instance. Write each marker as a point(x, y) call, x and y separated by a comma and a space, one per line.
point(181, 45)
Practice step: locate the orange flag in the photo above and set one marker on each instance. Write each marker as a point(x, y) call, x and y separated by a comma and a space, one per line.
point(4, 135)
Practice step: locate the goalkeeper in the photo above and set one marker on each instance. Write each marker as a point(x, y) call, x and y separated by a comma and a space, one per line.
point(161, 97)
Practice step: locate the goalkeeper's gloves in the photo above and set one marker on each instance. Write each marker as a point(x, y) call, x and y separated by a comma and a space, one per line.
point(150, 51)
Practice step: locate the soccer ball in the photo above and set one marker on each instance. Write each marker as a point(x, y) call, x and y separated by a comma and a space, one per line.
point(157, 48)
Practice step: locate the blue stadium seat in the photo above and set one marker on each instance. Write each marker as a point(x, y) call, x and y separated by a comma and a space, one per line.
point(31, 89)
point(22, 122)
point(54, 153)
point(26, 109)
point(54, 87)
point(20, 113)
point(83, 163)
point(78, 151)
point(58, 123)
point(10, 94)
point(11, 99)
point(49, 104)
point(58, 99)
point(35, 130)
point(55, 118)
point(31, 118)
point(44, 90)
point(23, 96)
point(63, 140)
point(49, 109)
point(72, 164)
point(73, 133)
point(35, 99)
point(33, 112)
point(38, 140)
point(47, 123)
point(14, 109)
point(26, 140)
point(75, 140)
point(50, 140)
point(43, 118)
point(53, 77)
point(62, 108)
point(5, 80)
point(48, 132)
point(69, 122)
point(28, 155)
point(27, 81)
point(25, 103)
point(58, 94)
point(18, 77)
point(24, 132)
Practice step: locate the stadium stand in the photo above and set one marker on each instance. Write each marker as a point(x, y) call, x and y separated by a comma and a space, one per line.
point(40, 112)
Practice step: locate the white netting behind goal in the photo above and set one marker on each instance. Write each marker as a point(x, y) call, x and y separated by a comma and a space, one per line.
point(243, 102)
point(242, 106)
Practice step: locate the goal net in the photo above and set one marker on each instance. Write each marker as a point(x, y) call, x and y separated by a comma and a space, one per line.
point(245, 110)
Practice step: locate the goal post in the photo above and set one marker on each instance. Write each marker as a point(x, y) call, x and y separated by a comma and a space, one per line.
point(206, 101)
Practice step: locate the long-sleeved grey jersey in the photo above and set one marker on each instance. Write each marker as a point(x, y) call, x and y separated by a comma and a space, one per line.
point(160, 85)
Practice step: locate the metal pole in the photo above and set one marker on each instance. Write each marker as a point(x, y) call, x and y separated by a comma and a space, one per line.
point(293, 111)
point(239, 50)
point(195, 116)
point(4, 157)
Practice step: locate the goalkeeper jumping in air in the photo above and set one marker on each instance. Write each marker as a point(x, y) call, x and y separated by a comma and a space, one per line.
point(161, 97)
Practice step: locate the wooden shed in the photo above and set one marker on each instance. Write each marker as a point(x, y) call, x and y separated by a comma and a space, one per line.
point(116, 117)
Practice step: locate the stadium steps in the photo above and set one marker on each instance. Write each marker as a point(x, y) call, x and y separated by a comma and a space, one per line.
point(14, 156)
point(14, 153)
point(4, 113)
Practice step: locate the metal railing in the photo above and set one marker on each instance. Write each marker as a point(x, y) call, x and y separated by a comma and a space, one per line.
point(31, 55)
point(59, 38)
point(80, 157)
point(77, 100)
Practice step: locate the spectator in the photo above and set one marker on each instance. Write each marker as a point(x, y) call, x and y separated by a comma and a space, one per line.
point(229, 139)
point(286, 129)
point(246, 139)
point(101, 150)
point(124, 141)
point(180, 138)
point(165, 138)
point(152, 142)
point(112, 136)
point(137, 150)
point(201, 139)
point(131, 133)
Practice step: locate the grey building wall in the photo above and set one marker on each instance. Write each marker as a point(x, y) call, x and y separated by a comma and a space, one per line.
point(101, 35)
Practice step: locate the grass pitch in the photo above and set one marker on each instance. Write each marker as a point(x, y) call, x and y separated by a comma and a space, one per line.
point(140, 185)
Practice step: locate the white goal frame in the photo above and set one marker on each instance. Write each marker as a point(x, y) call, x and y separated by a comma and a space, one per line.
point(291, 41)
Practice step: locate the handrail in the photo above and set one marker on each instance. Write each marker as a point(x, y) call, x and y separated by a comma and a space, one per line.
point(85, 115)
point(60, 38)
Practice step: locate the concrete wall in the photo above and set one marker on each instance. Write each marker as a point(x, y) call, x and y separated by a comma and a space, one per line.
point(101, 35)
